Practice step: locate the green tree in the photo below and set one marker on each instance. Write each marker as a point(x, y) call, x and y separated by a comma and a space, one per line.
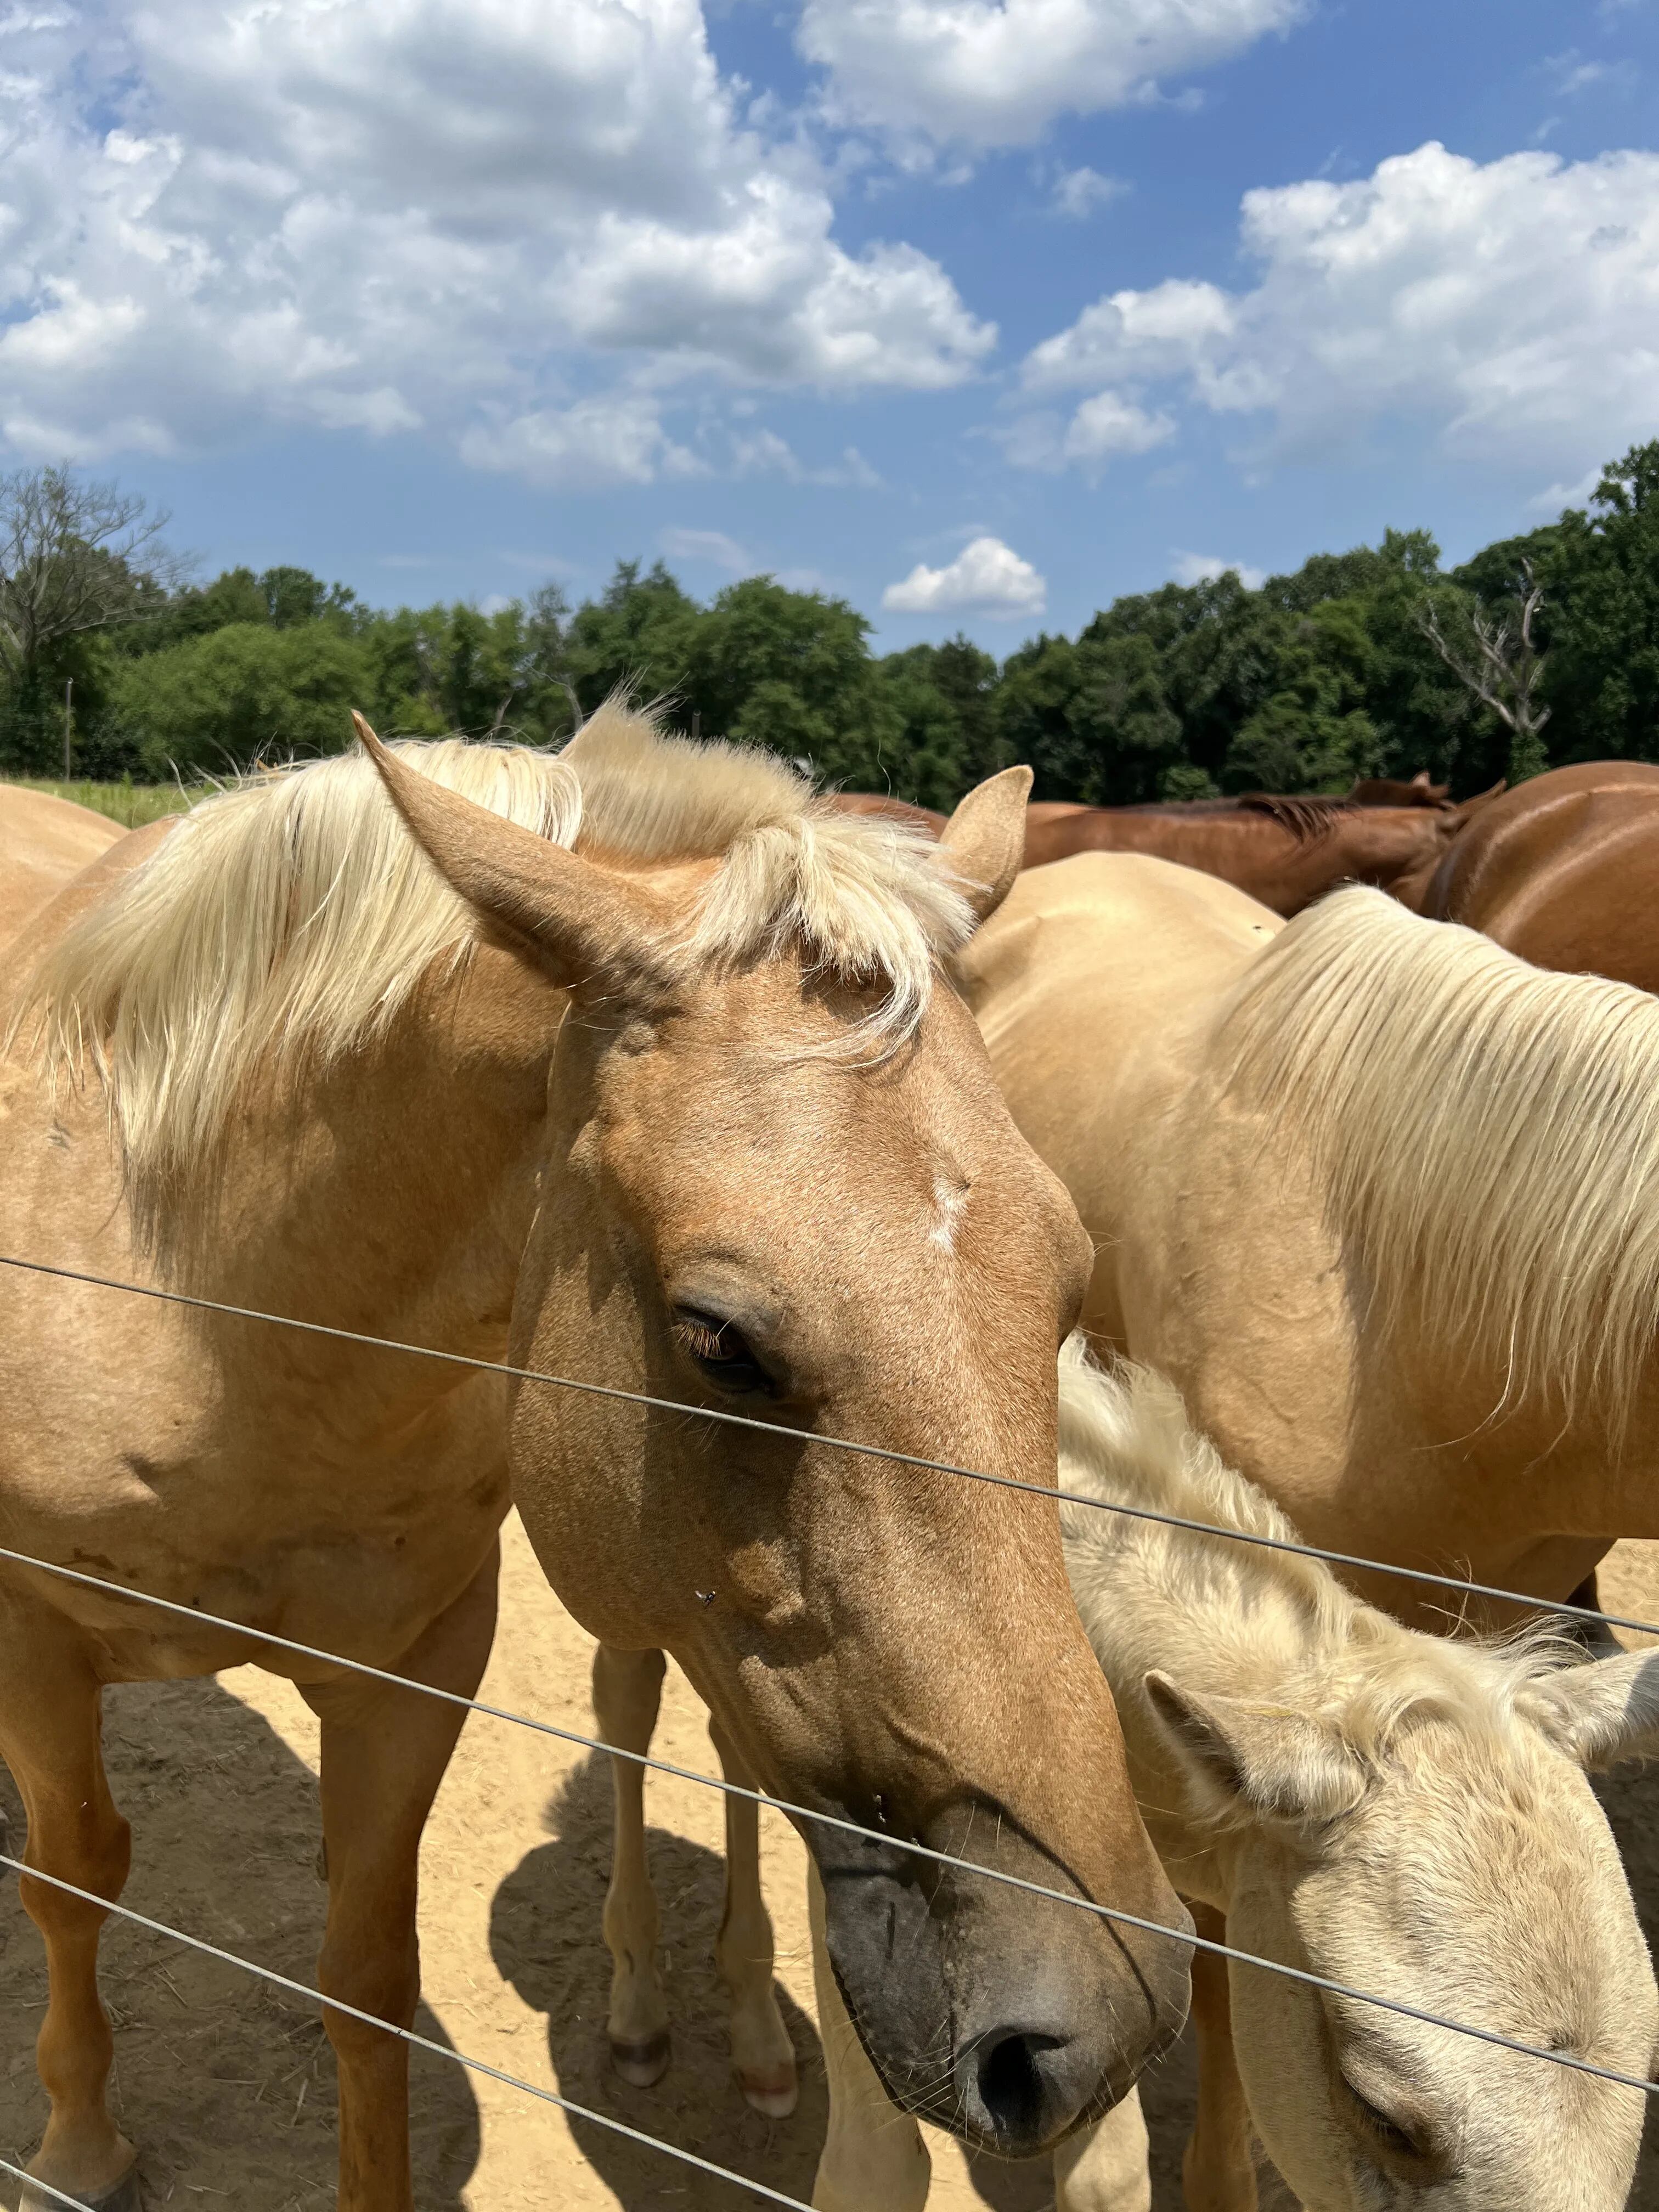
point(1599, 569)
point(241, 693)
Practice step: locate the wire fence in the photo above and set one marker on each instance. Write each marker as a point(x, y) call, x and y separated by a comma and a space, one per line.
point(264, 1639)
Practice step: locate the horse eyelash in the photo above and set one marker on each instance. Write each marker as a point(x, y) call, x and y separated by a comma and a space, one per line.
point(701, 1341)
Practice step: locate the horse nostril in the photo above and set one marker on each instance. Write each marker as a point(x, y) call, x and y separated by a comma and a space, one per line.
point(1008, 2094)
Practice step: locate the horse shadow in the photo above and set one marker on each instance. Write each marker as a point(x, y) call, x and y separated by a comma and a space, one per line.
point(225, 2083)
point(544, 1937)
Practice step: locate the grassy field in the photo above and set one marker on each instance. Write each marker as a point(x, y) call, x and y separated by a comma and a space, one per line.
point(129, 804)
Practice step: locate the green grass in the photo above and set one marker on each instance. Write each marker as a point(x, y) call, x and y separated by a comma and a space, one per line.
point(131, 804)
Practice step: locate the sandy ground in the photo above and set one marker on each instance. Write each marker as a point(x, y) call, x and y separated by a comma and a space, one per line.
point(227, 2083)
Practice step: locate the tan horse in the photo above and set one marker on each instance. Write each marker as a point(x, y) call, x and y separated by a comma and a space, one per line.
point(1492, 1414)
point(44, 840)
point(683, 1110)
point(1401, 1812)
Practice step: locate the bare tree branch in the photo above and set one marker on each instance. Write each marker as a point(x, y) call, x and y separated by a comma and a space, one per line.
point(1499, 662)
point(74, 556)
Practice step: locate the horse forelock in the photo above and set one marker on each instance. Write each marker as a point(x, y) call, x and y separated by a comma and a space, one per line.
point(291, 917)
point(1486, 1134)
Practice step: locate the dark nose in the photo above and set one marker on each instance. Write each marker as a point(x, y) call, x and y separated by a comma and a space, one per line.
point(1014, 2089)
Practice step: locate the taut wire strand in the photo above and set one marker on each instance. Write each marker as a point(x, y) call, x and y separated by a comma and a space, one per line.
point(1463, 1587)
point(408, 2035)
point(57, 2196)
point(917, 1850)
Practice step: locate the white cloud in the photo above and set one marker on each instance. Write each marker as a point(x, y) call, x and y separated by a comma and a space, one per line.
point(713, 546)
point(984, 73)
point(1511, 308)
point(455, 213)
point(1204, 568)
point(1099, 430)
point(987, 577)
point(1080, 193)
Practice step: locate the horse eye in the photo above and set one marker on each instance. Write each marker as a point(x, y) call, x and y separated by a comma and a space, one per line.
point(722, 1352)
point(1387, 2132)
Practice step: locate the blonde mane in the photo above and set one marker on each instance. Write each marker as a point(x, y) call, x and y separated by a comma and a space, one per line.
point(290, 918)
point(1246, 1620)
point(1488, 1134)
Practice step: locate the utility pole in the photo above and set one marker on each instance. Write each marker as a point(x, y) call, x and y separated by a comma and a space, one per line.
point(69, 724)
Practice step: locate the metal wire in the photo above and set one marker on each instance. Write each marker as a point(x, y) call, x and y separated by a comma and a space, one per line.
point(408, 2035)
point(1464, 1589)
point(18, 2173)
point(761, 1797)
point(1108, 1912)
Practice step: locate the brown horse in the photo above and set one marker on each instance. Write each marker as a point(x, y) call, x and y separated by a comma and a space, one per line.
point(636, 1068)
point(1285, 851)
point(1564, 871)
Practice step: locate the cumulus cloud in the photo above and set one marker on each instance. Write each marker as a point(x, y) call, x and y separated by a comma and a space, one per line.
point(1205, 567)
point(984, 73)
point(1511, 308)
point(420, 212)
point(986, 578)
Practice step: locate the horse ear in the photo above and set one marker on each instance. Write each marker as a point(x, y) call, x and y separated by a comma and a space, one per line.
point(1261, 1761)
point(1601, 1712)
point(583, 924)
point(984, 840)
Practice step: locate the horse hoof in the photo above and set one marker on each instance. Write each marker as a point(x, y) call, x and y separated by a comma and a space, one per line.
point(643, 2063)
point(121, 2195)
point(772, 2090)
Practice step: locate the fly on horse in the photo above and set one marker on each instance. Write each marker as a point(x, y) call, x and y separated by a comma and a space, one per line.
point(1564, 871)
point(1399, 1812)
point(633, 1065)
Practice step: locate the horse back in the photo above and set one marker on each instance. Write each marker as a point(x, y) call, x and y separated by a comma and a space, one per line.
point(43, 841)
point(1563, 870)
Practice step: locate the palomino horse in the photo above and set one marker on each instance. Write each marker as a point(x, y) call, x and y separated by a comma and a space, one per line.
point(1564, 871)
point(1379, 1198)
point(44, 840)
point(1285, 851)
point(684, 1112)
point(1398, 1812)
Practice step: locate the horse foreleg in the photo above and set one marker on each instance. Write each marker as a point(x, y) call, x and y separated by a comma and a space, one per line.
point(384, 1752)
point(874, 2158)
point(1218, 2171)
point(49, 1717)
point(1106, 2168)
point(762, 2056)
point(627, 1694)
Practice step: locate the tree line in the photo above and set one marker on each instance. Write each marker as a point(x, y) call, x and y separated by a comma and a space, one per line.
point(1543, 648)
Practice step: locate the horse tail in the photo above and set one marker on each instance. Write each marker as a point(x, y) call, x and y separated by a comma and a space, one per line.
point(1487, 1134)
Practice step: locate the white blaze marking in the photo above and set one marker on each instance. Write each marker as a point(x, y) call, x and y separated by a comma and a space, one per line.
point(950, 1203)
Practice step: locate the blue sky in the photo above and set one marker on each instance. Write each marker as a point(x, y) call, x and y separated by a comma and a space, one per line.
point(976, 312)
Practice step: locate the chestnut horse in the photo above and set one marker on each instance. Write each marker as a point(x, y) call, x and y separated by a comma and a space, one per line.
point(1564, 871)
point(1285, 851)
point(631, 1064)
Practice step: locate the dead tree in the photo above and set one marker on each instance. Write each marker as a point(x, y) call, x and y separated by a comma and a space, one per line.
point(1502, 666)
point(74, 556)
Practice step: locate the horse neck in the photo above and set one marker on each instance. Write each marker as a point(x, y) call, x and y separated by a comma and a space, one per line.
point(393, 1191)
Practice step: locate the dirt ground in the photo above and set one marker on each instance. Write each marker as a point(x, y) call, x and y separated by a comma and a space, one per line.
point(227, 2083)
